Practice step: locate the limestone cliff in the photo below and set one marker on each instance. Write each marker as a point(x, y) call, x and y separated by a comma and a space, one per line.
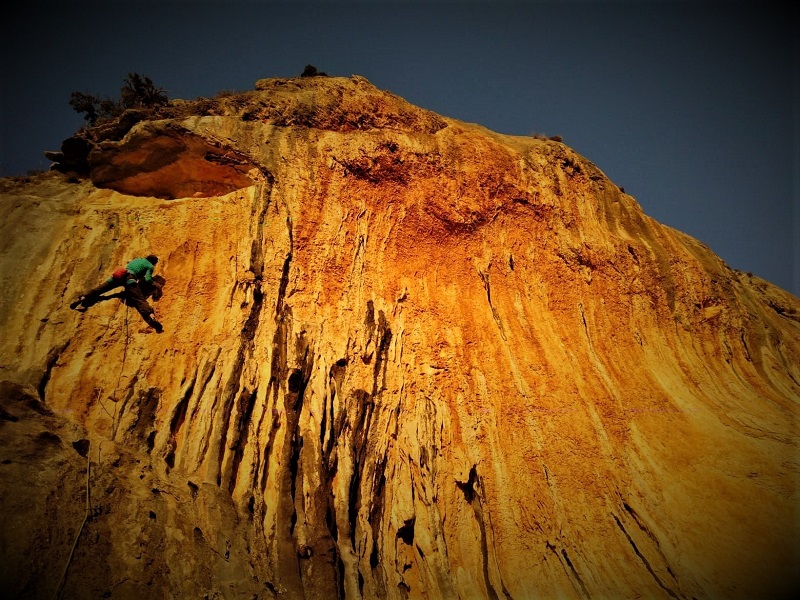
point(404, 357)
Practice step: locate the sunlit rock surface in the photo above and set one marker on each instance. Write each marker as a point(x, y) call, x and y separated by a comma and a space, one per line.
point(404, 357)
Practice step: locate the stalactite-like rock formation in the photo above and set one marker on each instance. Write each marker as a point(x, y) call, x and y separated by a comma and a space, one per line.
point(404, 357)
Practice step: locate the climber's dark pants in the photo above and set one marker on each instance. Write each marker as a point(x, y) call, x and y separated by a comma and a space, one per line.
point(108, 285)
point(132, 295)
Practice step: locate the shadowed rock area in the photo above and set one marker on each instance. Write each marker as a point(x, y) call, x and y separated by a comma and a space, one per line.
point(404, 357)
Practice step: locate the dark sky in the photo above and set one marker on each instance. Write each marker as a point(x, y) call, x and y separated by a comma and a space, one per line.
point(693, 108)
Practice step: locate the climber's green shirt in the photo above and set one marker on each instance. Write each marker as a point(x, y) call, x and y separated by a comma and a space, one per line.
point(140, 268)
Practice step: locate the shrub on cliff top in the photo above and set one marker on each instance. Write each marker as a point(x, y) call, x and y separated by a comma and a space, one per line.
point(138, 91)
point(311, 71)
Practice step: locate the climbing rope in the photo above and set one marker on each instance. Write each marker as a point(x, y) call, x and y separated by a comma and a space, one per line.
point(80, 529)
point(121, 370)
point(88, 455)
point(113, 396)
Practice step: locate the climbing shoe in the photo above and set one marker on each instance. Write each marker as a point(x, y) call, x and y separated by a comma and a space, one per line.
point(77, 303)
point(157, 326)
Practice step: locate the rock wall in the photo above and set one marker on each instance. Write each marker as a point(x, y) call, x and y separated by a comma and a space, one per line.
point(404, 357)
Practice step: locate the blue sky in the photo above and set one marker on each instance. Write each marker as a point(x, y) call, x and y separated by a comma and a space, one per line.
point(691, 107)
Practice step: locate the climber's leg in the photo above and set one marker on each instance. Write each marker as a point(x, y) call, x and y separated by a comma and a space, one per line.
point(135, 298)
point(91, 297)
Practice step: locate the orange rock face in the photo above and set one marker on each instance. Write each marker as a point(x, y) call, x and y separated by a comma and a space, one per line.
point(404, 357)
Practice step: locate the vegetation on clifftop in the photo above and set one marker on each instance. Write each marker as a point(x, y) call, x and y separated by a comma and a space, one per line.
point(138, 91)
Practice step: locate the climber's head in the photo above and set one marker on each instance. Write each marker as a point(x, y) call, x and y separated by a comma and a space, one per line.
point(152, 259)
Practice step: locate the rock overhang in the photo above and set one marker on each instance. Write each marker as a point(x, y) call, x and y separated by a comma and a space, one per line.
point(162, 159)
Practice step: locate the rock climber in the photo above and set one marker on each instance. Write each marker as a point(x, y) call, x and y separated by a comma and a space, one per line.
point(138, 282)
